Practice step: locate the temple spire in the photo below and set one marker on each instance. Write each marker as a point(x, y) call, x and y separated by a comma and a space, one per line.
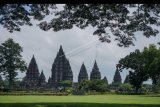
point(61, 69)
point(42, 79)
point(32, 74)
point(61, 52)
point(95, 74)
point(95, 64)
point(117, 77)
point(83, 73)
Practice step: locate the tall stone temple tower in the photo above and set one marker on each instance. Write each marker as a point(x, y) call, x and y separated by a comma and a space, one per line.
point(117, 77)
point(82, 74)
point(32, 75)
point(61, 69)
point(95, 74)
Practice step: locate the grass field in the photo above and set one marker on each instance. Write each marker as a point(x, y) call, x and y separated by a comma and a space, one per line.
point(81, 101)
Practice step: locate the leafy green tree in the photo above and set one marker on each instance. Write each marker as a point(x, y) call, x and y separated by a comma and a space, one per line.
point(11, 60)
point(135, 63)
point(94, 85)
point(148, 87)
point(66, 83)
point(152, 56)
point(105, 80)
point(126, 88)
point(156, 87)
point(85, 85)
point(123, 20)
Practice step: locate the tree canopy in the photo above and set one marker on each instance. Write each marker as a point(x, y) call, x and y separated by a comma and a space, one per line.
point(117, 22)
point(152, 56)
point(142, 66)
point(136, 64)
point(11, 60)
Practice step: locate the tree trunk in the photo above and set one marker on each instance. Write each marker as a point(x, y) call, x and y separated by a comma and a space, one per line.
point(10, 81)
point(136, 91)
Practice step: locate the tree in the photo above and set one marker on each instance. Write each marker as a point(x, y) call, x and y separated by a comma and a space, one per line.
point(84, 85)
point(66, 83)
point(122, 20)
point(135, 62)
point(105, 80)
point(13, 16)
point(154, 70)
point(156, 88)
point(152, 56)
point(1, 82)
point(126, 88)
point(11, 60)
point(93, 85)
point(143, 65)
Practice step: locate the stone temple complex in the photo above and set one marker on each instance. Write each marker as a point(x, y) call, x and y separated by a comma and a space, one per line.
point(60, 71)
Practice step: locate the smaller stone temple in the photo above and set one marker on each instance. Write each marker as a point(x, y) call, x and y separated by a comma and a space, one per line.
point(83, 75)
point(126, 79)
point(42, 80)
point(95, 74)
point(117, 77)
point(33, 79)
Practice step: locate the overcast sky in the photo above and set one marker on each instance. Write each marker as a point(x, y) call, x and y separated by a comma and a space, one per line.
point(79, 46)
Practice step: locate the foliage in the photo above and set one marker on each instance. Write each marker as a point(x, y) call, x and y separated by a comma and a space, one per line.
point(156, 87)
point(66, 83)
point(12, 16)
point(120, 20)
point(11, 60)
point(148, 87)
point(135, 62)
point(115, 85)
point(142, 65)
point(94, 85)
point(126, 88)
point(115, 18)
point(84, 85)
point(152, 56)
point(105, 80)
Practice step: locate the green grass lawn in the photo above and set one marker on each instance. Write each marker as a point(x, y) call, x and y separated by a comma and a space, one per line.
point(81, 101)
